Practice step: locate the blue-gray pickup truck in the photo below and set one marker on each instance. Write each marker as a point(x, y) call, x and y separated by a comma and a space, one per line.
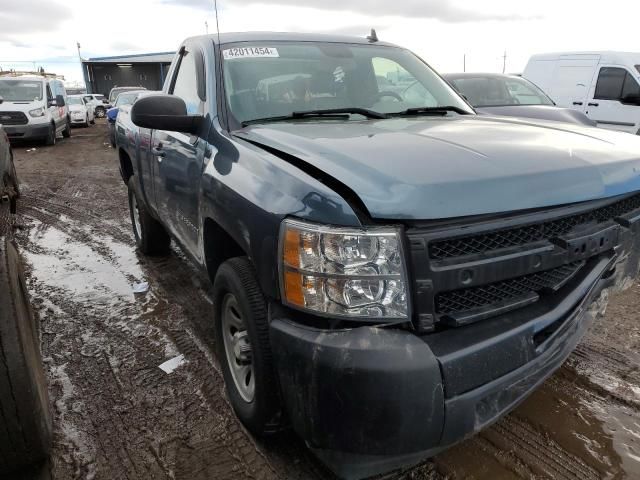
point(391, 271)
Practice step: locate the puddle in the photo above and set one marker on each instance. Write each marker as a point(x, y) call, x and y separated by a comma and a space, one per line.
point(80, 270)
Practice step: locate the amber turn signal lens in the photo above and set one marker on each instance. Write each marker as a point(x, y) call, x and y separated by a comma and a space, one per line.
point(293, 288)
point(292, 248)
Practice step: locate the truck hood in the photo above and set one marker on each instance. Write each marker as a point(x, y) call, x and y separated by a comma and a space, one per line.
point(434, 168)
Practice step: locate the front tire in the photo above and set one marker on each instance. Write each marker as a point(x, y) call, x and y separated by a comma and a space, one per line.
point(66, 133)
point(242, 344)
point(23, 388)
point(51, 136)
point(151, 236)
point(101, 112)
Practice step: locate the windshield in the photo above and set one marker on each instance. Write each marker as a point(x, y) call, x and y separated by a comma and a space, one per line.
point(74, 101)
point(20, 90)
point(126, 99)
point(276, 79)
point(500, 91)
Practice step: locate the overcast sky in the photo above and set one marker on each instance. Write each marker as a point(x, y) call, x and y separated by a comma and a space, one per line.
point(39, 32)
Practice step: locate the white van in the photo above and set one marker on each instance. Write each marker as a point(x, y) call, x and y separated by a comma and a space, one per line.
point(603, 85)
point(34, 107)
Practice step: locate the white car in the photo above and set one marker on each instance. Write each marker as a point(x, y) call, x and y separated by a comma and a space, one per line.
point(34, 107)
point(605, 86)
point(81, 113)
point(99, 102)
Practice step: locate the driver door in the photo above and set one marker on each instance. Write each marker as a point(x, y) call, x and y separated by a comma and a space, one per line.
point(179, 159)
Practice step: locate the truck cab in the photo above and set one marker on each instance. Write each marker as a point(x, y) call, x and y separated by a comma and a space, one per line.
point(391, 273)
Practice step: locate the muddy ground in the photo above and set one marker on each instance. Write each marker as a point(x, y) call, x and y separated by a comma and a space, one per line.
point(118, 416)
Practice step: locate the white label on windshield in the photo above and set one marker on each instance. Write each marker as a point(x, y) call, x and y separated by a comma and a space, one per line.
point(250, 52)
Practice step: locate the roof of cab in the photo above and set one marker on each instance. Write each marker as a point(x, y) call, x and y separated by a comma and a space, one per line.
point(234, 37)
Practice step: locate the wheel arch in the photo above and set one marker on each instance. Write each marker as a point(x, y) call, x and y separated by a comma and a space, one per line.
point(126, 165)
point(219, 246)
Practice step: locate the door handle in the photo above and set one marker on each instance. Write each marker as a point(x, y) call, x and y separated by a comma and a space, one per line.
point(578, 103)
point(593, 104)
point(158, 152)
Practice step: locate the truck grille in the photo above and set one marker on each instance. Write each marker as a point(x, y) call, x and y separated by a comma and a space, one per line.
point(522, 235)
point(467, 273)
point(479, 297)
point(13, 118)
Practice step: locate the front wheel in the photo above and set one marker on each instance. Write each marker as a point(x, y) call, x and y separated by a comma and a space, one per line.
point(66, 133)
point(51, 136)
point(242, 344)
point(151, 237)
point(100, 112)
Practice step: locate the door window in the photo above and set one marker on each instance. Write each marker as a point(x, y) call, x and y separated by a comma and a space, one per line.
point(615, 84)
point(186, 84)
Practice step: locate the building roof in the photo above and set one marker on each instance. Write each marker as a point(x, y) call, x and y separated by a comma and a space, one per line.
point(162, 57)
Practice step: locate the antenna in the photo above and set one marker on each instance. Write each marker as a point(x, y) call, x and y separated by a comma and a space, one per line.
point(373, 37)
point(215, 4)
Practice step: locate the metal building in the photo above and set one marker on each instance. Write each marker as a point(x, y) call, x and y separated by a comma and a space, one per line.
point(146, 70)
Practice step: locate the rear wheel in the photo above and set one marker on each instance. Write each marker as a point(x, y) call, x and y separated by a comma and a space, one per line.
point(25, 434)
point(242, 344)
point(151, 237)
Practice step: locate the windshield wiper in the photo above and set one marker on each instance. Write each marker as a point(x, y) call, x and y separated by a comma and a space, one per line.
point(329, 112)
point(443, 110)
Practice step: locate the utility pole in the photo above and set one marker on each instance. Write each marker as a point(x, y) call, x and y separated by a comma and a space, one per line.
point(464, 62)
point(79, 56)
point(504, 62)
point(206, 27)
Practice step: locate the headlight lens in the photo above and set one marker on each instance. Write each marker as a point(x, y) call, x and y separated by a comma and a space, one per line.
point(38, 112)
point(343, 271)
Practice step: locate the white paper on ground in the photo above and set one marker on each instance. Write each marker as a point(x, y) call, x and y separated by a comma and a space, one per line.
point(170, 365)
point(141, 287)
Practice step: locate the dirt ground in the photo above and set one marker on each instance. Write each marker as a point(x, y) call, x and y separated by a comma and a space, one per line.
point(118, 416)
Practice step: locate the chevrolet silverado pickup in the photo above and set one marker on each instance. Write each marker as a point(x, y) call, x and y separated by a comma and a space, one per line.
point(391, 272)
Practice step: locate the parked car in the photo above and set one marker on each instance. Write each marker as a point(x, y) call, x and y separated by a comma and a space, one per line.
point(81, 113)
point(113, 94)
point(603, 85)
point(99, 102)
point(25, 422)
point(511, 96)
point(123, 102)
point(391, 273)
point(34, 108)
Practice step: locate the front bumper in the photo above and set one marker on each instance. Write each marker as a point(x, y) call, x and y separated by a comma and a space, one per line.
point(369, 400)
point(78, 120)
point(26, 132)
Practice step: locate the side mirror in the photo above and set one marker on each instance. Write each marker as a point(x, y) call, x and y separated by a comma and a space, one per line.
point(164, 112)
point(59, 101)
point(1, 100)
point(631, 100)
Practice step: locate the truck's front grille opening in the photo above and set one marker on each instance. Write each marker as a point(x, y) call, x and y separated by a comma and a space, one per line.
point(468, 299)
point(525, 234)
point(13, 118)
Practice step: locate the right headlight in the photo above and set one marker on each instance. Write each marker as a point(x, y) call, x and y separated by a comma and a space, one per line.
point(343, 272)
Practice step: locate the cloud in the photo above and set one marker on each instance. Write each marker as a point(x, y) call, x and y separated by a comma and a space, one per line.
point(20, 18)
point(122, 46)
point(445, 11)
